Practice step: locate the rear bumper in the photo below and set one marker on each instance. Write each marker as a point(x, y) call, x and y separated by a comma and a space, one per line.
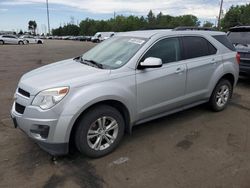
point(245, 67)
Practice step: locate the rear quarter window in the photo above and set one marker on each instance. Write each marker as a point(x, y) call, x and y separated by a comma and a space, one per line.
point(223, 39)
point(195, 47)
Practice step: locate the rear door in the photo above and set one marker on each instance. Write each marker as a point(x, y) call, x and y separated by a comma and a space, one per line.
point(202, 61)
point(161, 89)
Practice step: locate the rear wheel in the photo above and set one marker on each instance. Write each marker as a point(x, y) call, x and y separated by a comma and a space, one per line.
point(39, 42)
point(1, 42)
point(99, 131)
point(221, 95)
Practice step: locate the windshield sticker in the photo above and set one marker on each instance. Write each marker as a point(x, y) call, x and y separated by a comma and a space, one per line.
point(136, 41)
point(118, 62)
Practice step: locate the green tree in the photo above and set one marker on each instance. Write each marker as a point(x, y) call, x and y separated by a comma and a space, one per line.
point(32, 25)
point(20, 32)
point(151, 19)
point(69, 29)
point(208, 24)
point(236, 15)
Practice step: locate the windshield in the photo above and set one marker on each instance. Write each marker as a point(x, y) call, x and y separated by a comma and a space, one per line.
point(240, 37)
point(114, 52)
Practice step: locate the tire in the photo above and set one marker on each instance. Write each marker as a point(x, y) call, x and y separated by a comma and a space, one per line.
point(1, 42)
point(91, 124)
point(27, 42)
point(221, 95)
point(21, 43)
point(39, 42)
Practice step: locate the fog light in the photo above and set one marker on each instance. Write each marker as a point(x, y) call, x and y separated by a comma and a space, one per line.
point(41, 130)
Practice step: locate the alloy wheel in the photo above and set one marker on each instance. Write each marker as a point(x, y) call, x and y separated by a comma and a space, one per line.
point(102, 133)
point(222, 95)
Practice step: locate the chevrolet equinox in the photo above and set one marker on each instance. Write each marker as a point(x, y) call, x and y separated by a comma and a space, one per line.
point(129, 79)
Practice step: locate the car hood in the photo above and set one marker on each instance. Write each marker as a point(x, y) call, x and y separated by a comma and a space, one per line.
point(64, 73)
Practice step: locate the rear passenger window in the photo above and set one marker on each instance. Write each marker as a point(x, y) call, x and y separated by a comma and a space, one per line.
point(197, 47)
point(168, 50)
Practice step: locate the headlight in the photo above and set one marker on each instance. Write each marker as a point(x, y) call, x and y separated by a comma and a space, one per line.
point(48, 98)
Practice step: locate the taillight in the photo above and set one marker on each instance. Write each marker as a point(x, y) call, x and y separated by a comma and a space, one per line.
point(238, 57)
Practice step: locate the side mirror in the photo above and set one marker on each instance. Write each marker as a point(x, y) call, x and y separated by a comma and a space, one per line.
point(151, 62)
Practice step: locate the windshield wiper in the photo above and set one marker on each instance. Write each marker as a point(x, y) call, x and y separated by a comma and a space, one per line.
point(98, 65)
point(89, 62)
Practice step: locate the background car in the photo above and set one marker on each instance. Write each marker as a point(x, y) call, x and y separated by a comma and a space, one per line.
point(101, 36)
point(240, 37)
point(11, 39)
point(31, 39)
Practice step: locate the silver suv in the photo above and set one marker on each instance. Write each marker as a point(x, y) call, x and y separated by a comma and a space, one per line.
point(130, 79)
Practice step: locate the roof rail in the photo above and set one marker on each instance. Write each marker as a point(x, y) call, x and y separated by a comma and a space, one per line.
point(188, 28)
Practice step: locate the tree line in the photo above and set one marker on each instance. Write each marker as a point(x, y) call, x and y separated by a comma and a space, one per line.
point(237, 15)
point(126, 23)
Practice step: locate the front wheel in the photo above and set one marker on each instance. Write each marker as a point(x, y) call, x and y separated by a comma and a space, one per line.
point(221, 95)
point(21, 43)
point(1, 42)
point(99, 131)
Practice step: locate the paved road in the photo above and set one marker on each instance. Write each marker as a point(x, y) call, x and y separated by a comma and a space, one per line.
point(194, 148)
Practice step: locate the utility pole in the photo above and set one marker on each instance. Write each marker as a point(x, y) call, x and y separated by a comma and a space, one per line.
point(47, 2)
point(219, 18)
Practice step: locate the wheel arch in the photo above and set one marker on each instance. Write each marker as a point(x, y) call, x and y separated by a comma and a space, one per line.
point(120, 106)
point(228, 76)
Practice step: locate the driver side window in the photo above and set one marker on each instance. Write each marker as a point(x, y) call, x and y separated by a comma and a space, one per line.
point(168, 50)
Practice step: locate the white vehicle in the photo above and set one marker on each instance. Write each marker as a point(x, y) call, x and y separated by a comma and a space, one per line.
point(101, 36)
point(10, 39)
point(29, 39)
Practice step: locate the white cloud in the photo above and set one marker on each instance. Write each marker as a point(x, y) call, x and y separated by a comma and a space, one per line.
point(3, 9)
point(201, 8)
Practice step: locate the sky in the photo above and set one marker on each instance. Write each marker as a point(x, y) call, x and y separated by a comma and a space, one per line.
point(15, 14)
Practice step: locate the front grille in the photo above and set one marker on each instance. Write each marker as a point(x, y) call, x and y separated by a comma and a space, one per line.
point(19, 108)
point(244, 55)
point(24, 93)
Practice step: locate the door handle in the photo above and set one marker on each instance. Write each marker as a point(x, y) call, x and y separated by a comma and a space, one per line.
point(179, 70)
point(213, 61)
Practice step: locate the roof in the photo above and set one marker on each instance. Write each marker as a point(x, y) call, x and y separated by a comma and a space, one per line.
point(150, 33)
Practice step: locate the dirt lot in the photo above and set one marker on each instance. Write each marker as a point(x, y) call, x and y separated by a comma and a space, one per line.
point(194, 148)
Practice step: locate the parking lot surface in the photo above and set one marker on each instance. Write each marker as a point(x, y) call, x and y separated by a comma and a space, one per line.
point(193, 148)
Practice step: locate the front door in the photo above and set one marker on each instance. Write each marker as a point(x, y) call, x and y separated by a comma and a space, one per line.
point(161, 89)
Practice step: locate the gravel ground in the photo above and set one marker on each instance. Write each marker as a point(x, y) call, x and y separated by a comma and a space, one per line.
point(193, 148)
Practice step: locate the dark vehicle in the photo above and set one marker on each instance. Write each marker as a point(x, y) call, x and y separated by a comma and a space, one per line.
point(240, 37)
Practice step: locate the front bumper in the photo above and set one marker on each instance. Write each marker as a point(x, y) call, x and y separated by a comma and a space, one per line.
point(28, 125)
